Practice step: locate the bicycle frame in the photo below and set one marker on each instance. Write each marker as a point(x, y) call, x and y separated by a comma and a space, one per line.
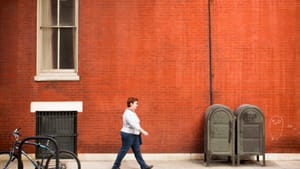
point(25, 141)
point(12, 151)
point(36, 165)
point(33, 162)
point(17, 150)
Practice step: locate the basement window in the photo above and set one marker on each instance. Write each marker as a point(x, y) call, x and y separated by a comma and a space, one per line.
point(61, 124)
point(59, 119)
point(57, 40)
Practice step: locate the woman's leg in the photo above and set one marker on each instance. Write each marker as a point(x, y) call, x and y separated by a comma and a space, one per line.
point(137, 152)
point(127, 141)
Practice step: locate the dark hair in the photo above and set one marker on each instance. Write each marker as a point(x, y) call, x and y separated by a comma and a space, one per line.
point(131, 100)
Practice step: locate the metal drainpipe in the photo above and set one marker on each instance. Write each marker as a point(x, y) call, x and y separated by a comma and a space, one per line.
point(211, 100)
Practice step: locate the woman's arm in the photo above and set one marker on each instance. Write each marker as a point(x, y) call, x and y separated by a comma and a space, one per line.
point(144, 131)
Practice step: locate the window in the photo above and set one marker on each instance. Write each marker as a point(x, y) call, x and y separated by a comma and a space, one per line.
point(61, 124)
point(57, 40)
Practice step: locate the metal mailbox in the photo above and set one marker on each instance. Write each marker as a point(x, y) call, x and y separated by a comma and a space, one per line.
point(219, 133)
point(250, 132)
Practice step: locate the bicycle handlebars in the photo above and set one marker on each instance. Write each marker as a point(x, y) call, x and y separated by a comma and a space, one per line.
point(16, 133)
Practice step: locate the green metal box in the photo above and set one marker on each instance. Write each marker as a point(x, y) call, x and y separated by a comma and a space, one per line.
point(219, 133)
point(250, 132)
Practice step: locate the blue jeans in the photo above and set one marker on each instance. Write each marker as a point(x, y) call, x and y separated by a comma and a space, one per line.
point(133, 141)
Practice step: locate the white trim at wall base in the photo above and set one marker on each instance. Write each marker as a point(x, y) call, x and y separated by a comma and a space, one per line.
point(174, 156)
point(177, 156)
point(283, 156)
point(148, 156)
point(56, 106)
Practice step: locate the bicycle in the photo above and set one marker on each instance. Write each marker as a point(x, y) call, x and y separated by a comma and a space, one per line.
point(51, 159)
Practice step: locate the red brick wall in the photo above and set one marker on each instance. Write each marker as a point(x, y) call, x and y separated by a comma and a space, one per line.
point(256, 60)
point(158, 52)
point(17, 57)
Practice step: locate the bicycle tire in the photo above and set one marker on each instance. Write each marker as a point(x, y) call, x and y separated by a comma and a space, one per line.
point(13, 164)
point(67, 160)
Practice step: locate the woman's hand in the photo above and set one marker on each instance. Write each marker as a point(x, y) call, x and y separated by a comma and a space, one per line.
point(144, 132)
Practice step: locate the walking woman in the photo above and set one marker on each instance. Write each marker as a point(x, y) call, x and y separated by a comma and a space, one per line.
point(131, 135)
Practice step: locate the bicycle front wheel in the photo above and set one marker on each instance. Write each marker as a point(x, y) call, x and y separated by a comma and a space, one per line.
point(9, 162)
point(67, 160)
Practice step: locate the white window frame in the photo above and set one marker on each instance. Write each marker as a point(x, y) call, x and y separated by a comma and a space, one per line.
point(56, 106)
point(55, 74)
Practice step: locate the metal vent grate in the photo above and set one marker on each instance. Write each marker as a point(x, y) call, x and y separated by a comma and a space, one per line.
point(62, 125)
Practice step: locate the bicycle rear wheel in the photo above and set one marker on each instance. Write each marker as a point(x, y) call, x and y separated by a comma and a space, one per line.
point(7, 162)
point(67, 160)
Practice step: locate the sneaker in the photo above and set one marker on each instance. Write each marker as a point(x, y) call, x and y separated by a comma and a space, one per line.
point(115, 168)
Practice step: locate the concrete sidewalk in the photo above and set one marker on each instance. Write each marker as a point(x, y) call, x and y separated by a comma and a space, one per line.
point(192, 164)
point(184, 161)
point(189, 161)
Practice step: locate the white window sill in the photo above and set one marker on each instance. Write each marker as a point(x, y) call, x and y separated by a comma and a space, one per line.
point(57, 76)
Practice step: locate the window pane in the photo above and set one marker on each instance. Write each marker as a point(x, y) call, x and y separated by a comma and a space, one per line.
point(67, 14)
point(54, 48)
point(66, 48)
point(49, 55)
point(49, 14)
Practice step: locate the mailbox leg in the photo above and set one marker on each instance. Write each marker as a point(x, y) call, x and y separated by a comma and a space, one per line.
point(207, 159)
point(257, 157)
point(264, 160)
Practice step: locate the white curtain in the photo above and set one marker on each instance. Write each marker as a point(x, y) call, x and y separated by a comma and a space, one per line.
point(47, 45)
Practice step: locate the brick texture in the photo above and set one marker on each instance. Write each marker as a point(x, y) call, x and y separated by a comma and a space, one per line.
point(158, 51)
point(255, 60)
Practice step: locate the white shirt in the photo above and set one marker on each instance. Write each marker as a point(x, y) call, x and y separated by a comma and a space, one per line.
point(131, 122)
